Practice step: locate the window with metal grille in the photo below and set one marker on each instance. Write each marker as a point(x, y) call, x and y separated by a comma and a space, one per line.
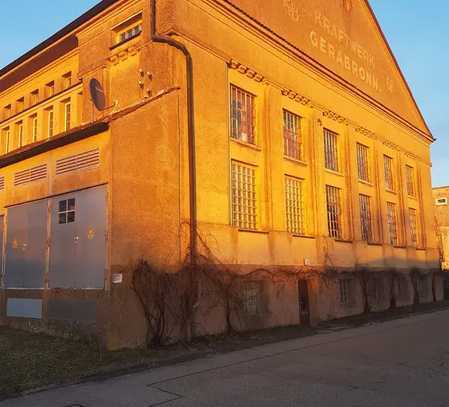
point(66, 211)
point(242, 115)
point(393, 238)
point(388, 173)
point(365, 217)
point(333, 211)
point(294, 206)
point(251, 301)
point(362, 162)
point(413, 219)
point(345, 291)
point(410, 177)
point(243, 185)
point(331, 150)
point(292, 136)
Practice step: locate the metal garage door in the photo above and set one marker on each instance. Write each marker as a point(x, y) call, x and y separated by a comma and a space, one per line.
point(26, 243)
point(78, 239)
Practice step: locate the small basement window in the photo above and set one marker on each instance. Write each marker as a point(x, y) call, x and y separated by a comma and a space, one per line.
point(131, 28)
point(66, 211)
point(441, 201)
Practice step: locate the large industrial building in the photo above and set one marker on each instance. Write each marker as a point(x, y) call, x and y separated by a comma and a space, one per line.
point(262, 135)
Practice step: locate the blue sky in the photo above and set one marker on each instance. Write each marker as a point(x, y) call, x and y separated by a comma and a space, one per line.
point(417, 32)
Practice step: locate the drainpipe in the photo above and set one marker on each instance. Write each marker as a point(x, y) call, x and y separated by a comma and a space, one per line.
point(155, 37)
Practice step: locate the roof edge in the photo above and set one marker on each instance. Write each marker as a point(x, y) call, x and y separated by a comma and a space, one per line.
point(92, 12)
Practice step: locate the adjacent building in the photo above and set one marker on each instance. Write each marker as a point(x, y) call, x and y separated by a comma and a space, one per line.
point(441, 199)
point(279, 137)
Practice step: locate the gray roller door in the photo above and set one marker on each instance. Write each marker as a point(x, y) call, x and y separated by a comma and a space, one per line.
point(26, 245)
point(78, 239)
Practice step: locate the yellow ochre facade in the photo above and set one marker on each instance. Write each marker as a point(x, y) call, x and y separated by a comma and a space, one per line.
point(310, 158)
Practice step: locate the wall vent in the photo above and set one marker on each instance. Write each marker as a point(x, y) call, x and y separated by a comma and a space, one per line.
point(2, 183)
point(78, 162)
point(30, 175)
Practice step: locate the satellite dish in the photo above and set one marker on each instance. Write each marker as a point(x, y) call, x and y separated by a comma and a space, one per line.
point(97, 94)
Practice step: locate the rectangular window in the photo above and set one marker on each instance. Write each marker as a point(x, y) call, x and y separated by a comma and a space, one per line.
point(67, 115)
point(393, 238)
point(331, 150)
point(413, 218)
point(128, 30)
point(251, 300)
point(34, 97)
point(388, 173)
point(19, 134)
point(20, 104)
point(243, 185)
point(365, 218)
point(242, 115)
point(333, 211)
point(441, 201)
point(292, 136)
point(362, 162)
point(6, 135)
point(50, 122)
point(410, 175)
point(345, 291)
point(50, 89)
point(7, 111)
point(66, 211)
point(67, 80)
point(34, 128)
point(294, 205)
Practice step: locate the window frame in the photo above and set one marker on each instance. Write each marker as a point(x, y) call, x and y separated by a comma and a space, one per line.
point(235, 124)
point(345, 291)
point(292, 137)
point(366, 224)
point(410, 180)
point(390, 185)
point(392, 224)
point(363, 162)
point(331, 141)
point(294, 205)
point(67, 211)
point(244, 209)
point(334, 217)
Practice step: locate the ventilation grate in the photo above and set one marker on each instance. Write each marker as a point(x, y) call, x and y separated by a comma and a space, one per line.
point(2, 183)
point(78, 162)
point(30, 175)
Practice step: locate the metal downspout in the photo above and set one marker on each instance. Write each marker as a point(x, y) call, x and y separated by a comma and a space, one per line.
point(155, 37)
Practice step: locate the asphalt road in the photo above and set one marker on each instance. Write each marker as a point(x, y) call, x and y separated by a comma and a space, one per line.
point(397, 363)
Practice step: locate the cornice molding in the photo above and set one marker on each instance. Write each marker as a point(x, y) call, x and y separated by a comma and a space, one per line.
point(244, 70)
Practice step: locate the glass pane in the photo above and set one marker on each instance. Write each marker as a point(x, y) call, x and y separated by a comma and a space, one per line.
point(71, 205)
point(62, 218)
point(62, 206)
point(70, 217)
